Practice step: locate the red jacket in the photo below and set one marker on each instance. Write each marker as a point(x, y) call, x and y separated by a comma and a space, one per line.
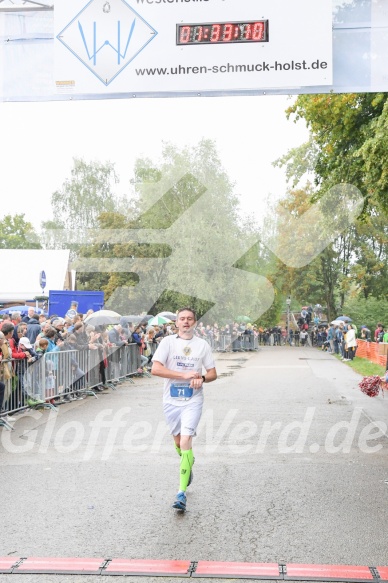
point(17, 353)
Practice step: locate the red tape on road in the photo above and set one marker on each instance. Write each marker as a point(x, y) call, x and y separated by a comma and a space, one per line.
point(383, 572)
point(205, 569)
point(237, 570)
point(147, 568)
point(60, 566)
point(328, 573)
point(7, 564)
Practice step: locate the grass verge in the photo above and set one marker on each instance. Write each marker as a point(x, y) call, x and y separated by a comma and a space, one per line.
point(365, 367)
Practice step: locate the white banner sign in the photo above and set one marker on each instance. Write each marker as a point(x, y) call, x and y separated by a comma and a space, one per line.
point(175, 46)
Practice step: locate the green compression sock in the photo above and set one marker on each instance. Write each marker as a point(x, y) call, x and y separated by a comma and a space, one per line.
point(187, 460)
point(178, 449)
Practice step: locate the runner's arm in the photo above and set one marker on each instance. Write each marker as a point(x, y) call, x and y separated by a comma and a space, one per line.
point(159, 370)
point(211, 375)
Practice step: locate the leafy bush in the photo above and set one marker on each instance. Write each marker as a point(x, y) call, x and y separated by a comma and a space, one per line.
point(367, 311)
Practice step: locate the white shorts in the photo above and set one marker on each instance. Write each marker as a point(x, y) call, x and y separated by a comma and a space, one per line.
point(183, 420)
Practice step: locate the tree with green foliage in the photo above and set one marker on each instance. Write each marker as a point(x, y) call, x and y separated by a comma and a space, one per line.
point(77, 205)
point(182, 244)
point(348, 142)
point(368, 265)
point(347, 145)
point(326, 276)
point(17, 233)
point(105, 249)
point(367, 311)
point(87, 194)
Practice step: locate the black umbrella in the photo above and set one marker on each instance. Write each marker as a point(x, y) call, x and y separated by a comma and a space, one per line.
point(145, 318)
point(344, 318)
point(168, 315)
point(133, 319)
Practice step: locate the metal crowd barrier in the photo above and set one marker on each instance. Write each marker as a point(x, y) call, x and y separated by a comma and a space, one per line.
point(224, 343)
point(249, 342)
point(123, 362)
point(152, 346)
point(59, 375)
point(210, 340)
point(228, 343)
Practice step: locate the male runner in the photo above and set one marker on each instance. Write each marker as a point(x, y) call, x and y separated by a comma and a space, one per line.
point(180, 360)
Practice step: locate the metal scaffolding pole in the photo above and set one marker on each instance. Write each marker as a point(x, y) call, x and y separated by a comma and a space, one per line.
point(27, 6)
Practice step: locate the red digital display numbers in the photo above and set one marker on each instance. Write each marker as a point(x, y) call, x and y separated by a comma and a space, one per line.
point(254, 31)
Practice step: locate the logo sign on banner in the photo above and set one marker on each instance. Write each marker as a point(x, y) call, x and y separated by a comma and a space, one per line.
point(173, 46)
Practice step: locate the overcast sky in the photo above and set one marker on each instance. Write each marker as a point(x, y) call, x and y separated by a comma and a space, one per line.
point(39, 141)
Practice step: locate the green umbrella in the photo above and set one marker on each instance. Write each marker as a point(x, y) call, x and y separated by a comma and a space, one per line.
point(158, 321)
point(243, 319)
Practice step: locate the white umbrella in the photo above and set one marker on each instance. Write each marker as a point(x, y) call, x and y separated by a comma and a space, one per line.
point(103, 318)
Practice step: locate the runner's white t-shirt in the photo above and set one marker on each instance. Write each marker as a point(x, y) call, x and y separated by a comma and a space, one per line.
point(182, 355)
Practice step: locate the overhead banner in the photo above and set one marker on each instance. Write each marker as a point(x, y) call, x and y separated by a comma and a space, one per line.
point(176, 46)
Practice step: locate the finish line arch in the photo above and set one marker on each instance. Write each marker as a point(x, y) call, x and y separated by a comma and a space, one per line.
point(122, 49)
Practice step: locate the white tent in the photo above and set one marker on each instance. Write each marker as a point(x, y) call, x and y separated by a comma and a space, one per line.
point(21, 270)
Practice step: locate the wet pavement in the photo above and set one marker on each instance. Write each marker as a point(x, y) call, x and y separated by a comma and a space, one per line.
point(291, 466)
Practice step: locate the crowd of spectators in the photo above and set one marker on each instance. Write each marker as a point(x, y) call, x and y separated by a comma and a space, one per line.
point(25, 340)
point(338, 337)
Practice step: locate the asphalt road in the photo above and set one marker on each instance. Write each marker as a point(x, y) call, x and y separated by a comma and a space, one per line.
point(290, 467)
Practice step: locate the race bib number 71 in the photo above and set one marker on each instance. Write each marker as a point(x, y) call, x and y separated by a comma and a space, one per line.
point(181, 391)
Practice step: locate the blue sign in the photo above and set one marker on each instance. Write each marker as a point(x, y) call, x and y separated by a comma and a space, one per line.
point(42, 279)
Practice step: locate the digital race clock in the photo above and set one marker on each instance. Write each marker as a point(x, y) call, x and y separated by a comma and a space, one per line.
point(252, 31)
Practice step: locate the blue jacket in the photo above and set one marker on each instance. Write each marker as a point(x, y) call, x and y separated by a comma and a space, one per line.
point(114, 337)
point(33, 329)
point(136, 338)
